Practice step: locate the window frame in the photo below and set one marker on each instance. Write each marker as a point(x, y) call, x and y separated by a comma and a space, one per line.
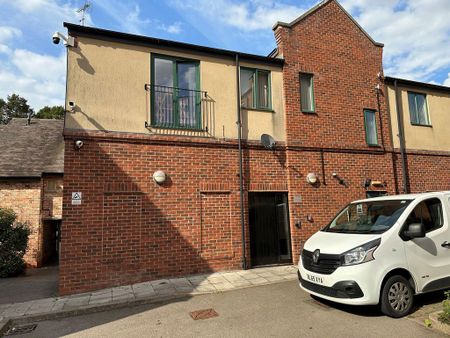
point(365, 111)
point(175, 60)
point(313, 100)
point(417, 123)
point(256, 105)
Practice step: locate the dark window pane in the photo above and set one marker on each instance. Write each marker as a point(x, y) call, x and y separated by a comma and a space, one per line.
point(429, 213)
point(163, 92)
point(306, 92)
point(263, 89)
point(187, 97)
point(418, 111)
point(247, 84)
point(371, 127)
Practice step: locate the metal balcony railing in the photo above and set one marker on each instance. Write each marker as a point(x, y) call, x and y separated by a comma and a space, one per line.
point(181, 109)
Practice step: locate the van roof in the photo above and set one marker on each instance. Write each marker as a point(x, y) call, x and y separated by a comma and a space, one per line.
point(404, 196)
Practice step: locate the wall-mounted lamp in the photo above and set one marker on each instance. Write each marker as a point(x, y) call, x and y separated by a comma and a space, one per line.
point(159, 176)
point(340, 180)
point(78, 144)
point(367, 183)
point(311, 178)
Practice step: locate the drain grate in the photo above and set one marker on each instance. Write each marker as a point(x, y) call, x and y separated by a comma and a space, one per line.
point(203, 314)
point(21, 329)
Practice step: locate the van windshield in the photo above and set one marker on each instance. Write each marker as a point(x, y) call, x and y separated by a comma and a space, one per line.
point(373, 217)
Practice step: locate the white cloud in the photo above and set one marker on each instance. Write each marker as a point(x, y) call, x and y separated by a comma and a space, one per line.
point(174, 28)
point(250, 16)
point(416, 34)
point(447, 81)
point(37, 77)
point(6, 34)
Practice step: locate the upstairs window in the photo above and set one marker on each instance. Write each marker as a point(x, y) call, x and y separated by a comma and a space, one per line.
point(255, 88)
point(307, 93)
point(418, 110)
point(370, 124)
point(175, 93)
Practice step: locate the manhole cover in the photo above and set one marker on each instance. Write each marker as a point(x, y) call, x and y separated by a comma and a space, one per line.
point(203, 314)
point(21, 329)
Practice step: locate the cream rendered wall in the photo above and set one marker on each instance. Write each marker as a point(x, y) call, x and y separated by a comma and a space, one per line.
point(106, 81)
point(436, 137)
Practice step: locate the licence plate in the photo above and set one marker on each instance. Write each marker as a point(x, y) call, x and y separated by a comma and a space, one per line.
point(314, 279)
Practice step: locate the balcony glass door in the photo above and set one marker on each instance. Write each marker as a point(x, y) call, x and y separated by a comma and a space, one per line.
point(176, 96)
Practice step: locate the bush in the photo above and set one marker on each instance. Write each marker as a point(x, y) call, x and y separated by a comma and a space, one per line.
point(444, 316)
point(13, 243)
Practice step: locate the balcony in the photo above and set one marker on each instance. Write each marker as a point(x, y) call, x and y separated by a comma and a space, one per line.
point(180, 111)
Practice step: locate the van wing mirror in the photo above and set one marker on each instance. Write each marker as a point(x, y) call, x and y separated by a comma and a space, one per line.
point(415, 230)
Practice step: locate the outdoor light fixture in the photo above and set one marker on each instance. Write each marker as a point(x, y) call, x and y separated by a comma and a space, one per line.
point(159, 176)
point(311, 178)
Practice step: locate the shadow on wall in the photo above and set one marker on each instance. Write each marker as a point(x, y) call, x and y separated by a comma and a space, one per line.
point(128, 229)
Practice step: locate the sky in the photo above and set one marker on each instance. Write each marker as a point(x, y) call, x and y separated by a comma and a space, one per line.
point(416, 34)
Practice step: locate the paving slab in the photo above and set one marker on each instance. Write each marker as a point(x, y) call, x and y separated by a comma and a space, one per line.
point(140, 293)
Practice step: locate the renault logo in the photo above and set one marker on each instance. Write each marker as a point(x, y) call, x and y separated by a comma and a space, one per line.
point(315, 256)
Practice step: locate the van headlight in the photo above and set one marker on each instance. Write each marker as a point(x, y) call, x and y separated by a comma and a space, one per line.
point(361, 254)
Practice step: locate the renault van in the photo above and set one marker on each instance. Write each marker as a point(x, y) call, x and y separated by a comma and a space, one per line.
point(382, 250)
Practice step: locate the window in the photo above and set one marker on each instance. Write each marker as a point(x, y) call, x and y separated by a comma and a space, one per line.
point(429, 213)
point(418, 111)
point(255, 88)
point(370, 124)
point(307, 92)
point(175, 93)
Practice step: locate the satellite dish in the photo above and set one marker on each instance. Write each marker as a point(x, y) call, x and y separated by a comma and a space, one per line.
point(267, 141)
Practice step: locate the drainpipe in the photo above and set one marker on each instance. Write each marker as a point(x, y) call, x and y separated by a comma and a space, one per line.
point(401, 135)
point(241, 178)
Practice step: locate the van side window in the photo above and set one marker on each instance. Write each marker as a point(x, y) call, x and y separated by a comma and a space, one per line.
point(428, 212)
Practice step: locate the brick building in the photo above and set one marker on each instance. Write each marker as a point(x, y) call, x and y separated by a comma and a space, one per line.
point(148, 108)
point(31, 182)
point(420, 119)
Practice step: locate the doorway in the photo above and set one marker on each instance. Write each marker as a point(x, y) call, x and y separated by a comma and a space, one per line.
point(270, 240)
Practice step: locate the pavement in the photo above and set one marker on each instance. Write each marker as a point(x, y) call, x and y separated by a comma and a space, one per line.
point(276, 310)
point(33, 284)
point(141, 293)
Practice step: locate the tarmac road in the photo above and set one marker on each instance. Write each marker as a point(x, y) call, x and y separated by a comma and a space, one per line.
point(276, 310)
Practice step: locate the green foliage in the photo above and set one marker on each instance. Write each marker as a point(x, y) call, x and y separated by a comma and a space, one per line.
point(428, 322)
point(444, 316)
point(54, 112)
point(13, 243)
point(14, 106)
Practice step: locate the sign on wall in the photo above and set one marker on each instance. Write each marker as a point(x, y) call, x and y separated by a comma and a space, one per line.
point(76, 198)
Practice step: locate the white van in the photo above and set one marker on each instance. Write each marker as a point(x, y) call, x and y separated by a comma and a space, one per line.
point(381, 250)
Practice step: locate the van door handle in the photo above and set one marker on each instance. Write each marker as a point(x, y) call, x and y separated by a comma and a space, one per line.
point(446, 245)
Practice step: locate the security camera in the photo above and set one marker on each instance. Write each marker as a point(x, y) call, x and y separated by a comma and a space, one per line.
point(56, 38)
point(68, 41)
point(78, 144)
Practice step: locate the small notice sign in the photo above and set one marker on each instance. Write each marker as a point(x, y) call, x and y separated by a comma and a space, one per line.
point(76, 198)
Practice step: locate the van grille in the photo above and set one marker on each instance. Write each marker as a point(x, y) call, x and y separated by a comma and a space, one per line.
point(326, 264)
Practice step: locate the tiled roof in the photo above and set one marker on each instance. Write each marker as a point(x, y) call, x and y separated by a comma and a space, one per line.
point(31, 150)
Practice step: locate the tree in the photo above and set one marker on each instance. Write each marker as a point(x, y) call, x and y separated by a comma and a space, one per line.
point(13, 243)
point(15, 106)
point(54, 112)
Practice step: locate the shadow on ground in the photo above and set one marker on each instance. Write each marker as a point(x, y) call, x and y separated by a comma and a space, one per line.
point(424, 303)
point(31, 285)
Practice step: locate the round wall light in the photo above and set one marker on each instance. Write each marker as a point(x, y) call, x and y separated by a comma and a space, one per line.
point(159, 176)
point(311, 178)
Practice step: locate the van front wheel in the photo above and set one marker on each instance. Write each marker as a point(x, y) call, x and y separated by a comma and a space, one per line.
point(397, 297)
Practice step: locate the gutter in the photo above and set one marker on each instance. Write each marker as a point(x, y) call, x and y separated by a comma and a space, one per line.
point(241, 178)
point(401, 135)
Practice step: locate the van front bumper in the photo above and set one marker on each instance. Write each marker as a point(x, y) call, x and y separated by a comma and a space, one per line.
point(353, 285)
point(343, 289)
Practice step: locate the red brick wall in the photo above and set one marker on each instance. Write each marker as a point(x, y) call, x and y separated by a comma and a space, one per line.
point(129, 229)
point(24, 197)
point(345, 64)
point(426, 171)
